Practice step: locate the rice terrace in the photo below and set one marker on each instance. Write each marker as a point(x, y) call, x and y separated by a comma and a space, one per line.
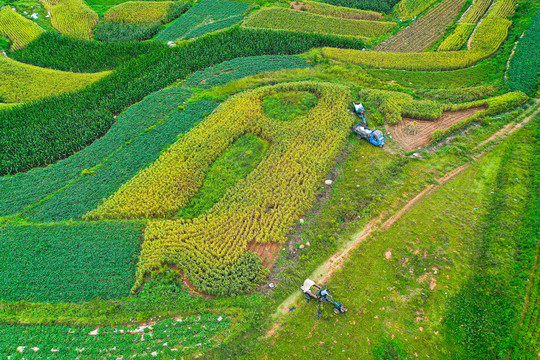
point(267, 179)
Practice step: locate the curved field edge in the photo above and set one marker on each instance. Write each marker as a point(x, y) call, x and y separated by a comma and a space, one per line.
point(73, 121)
point(22, 83)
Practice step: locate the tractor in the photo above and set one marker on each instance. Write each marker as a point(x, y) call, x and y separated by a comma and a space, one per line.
point(321, 295)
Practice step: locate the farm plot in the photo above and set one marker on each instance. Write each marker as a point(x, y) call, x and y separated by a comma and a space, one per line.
point(524, 70)
point(262, 207)
point(72, 18)
point(113, 31)
point(288, 19)
point(204, 13)
point(412, 134)
point(103, 180)
point(68, 263)
point(240, 68)
point(425, 31)
point(24, 189)
point(24, 83)
point(337, 11)
point(486, 40)
point(146, 12)
point(167, 339)
point(17, 29)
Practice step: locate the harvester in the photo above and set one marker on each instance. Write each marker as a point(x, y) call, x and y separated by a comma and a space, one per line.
point(321, 295)
point(375, 137)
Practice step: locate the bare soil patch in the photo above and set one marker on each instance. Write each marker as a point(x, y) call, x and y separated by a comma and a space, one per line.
point(268, 252)
point(297, 5)
point(425, 128)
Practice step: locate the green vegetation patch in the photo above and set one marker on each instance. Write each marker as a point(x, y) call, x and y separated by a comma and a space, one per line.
point(112, 31)
point(68, 263)
point(288, 105)
point(169, 338)
point(59, 52)
point(524, 71)
point(233, 165)
point(20, 191)
point(242, 67)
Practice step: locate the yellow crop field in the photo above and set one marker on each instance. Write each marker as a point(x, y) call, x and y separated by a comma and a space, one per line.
point(72, 18)
point(262, 207)
point(476, 11)
point(502, 9)
point(288, 19)
point(17, 29)
point(140, 12)
point(339, 11)
point(22, 83)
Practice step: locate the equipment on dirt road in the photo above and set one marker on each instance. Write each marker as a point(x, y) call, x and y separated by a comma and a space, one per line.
point(322, 295)
point(375, 137)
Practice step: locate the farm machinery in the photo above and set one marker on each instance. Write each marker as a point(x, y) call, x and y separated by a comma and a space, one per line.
point(321, 295)
point(375, 137)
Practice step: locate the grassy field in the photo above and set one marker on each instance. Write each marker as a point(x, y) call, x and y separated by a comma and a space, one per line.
point(427, 285)
point(24, 83)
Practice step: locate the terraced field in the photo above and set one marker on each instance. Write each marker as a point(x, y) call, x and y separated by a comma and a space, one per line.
point(172, 172)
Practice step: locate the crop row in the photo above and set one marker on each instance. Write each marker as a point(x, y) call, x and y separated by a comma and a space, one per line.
point(339, 11)
point(393, 105)
point(409, 9)
point(105, 179)
point(24, 189)
point(262, 207)
point(384, 6)
point(288, 19)
point(485, 41)
point(68, 263)
point(58, 52)
point(242, 67)
point(502, 9)
point(213, 26)
point(458, 38)
point(166, 339)
point(524, 70)
point(204, 13)
point(476, 12)
point(46, 131)
point(426, 30)
point(23, 83)
point(72, 18)
point(17, 29)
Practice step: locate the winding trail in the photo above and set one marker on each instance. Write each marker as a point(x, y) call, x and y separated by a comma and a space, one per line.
point(324, 272)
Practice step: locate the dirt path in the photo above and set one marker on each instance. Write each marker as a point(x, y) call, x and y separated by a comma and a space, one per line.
point(324, 272)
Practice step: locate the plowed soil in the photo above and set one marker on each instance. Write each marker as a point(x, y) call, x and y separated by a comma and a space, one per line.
point(423, 32)
point(426, 128)
point(267, 252)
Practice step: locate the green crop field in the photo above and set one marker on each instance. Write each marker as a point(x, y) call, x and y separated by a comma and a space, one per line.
point(171, 173)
